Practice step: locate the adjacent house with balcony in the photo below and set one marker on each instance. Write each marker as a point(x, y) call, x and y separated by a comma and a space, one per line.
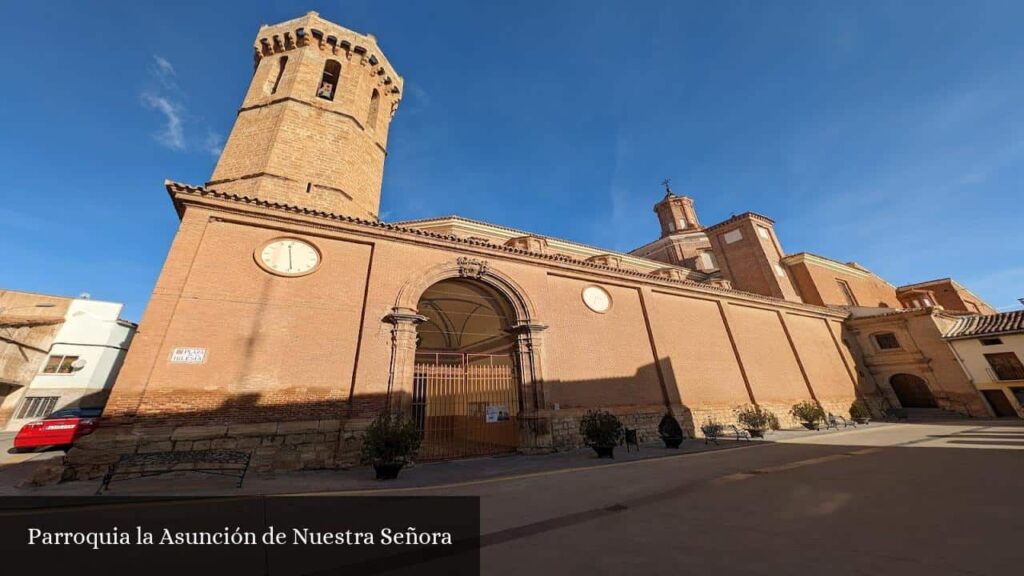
point(990, 348)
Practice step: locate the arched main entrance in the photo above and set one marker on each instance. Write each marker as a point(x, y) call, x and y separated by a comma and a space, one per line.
point(912, 391)
point(466, 393)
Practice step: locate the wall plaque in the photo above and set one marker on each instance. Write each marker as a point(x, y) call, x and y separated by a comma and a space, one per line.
point(188, 356)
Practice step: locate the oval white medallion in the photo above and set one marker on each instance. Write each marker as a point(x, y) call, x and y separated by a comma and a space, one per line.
point(597, 299)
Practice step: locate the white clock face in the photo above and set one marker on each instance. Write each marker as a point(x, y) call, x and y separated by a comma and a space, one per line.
point(597, 299)
point(289, 256)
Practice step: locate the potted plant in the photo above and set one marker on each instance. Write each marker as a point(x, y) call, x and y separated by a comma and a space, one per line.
point(711, 429)
point(859, 413)
point(390, 443)
point(756, 420)
point(670, 431)
point(809, 413)
point(602, 431)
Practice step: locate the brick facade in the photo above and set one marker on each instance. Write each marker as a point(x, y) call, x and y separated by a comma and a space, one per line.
point(297, 365)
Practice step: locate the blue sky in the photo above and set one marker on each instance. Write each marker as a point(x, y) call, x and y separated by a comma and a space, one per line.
point(891, 134)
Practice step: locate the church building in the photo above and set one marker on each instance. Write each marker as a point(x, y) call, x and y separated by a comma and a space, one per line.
point(288, 315)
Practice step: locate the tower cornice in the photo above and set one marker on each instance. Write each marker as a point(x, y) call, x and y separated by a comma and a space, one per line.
point(312, 31)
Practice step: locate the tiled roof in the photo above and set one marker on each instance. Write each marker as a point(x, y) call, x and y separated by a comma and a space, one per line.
point(981, 325)
point(743, 216)
point(28, 321)
point(175, 188)
point(848, 267)
point(918, 285)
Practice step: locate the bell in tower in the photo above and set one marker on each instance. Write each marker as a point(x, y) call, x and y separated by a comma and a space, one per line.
point(313, 128)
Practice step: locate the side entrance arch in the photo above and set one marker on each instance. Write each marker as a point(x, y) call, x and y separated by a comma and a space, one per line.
point(465, 361)
point(912, 391)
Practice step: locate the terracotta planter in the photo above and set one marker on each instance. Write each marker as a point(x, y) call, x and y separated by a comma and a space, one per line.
point(387, 471)
point(811, 425)
point(604, 451)
point(756, 432)
point(672, 442)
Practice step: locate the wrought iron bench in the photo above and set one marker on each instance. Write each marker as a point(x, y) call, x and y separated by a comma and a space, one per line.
point(712, 432)
point(740, 433)
point(833, 421)
point(231, 463)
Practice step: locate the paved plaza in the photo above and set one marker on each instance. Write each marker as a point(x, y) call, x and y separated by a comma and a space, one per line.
point(907, 498)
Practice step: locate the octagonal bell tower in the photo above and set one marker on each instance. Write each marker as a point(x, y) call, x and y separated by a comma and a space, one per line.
point(313, 128)
point(676, 213)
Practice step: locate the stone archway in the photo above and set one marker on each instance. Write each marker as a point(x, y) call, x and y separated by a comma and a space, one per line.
point(466, 394)
point(520, 339)
point(912, 391)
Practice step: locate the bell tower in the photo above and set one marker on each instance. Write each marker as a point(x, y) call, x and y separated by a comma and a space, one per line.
point(676, 213)
point(313, 128)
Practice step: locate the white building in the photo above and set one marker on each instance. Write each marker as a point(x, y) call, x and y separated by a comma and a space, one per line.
point(990, 348)
point(82, 364)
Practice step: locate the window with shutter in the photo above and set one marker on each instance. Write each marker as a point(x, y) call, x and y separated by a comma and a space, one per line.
point(1006, 366)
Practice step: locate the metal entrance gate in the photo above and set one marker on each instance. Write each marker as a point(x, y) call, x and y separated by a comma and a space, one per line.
point(465, 404)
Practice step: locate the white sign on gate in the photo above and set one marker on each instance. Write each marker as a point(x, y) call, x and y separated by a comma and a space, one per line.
point(188, 356)
point(496, 413)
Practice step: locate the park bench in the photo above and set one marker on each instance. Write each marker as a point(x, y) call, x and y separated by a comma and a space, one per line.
point(712, 432)
point(740, 433)
point(232, 463)
point(833, 421)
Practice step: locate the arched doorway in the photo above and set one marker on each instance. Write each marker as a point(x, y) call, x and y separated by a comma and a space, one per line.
point(912, 391)
point(466, 393)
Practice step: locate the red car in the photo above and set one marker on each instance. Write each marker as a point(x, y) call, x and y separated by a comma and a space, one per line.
point(58, 429)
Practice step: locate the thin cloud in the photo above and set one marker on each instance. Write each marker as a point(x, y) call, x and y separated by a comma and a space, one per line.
point(172, 135)
point(213, 143)
point(163, 70)
point(179, 131)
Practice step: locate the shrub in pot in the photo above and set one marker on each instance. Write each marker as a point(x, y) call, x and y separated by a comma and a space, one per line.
point(670, 431)
point(390, 443)
point(602, 431)
point(711, 429)
point(809, 413)
point(756, 420)
point(859, 413)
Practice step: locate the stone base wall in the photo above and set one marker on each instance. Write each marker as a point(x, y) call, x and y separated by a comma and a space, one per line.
point(875, 405)
point(703, 415)
point(966, 403)
point(840, 407)
point(565, 424)
point(335, 443)
point(275, 446)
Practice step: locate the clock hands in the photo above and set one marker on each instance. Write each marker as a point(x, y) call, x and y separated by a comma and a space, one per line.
point(300, 259)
